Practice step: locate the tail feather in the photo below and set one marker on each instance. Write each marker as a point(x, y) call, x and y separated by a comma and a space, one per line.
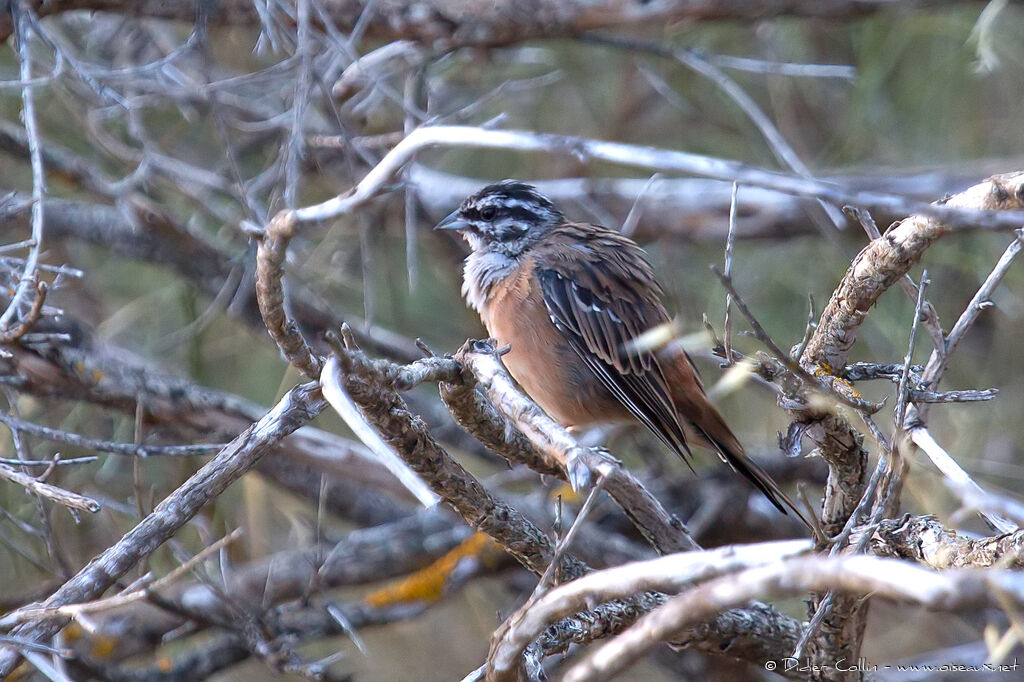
point(716, 434)
point(760, 479)
point(707, 427)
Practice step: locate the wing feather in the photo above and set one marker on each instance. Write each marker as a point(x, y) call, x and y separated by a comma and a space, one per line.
point(603, 305)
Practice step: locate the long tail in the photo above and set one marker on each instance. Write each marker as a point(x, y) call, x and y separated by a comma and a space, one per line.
point(716, 434)
point(736, 458)
point(708, 428)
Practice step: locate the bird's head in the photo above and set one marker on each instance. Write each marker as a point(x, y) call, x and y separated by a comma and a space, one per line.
point(507, 217)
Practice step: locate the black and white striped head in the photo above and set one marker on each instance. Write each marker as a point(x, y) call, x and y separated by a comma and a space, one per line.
point(506, 217)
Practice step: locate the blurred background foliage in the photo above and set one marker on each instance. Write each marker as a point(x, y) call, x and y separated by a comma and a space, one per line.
point(935, 91)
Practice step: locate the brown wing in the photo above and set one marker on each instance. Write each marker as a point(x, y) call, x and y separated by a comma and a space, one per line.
point(601, 294)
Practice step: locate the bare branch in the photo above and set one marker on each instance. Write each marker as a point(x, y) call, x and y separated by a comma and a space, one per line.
point(270, 294)
point(954, 590)
point(667, 574)
point(886, 260)
point(664, 531)
point(297, 407)
point(27, 280)
point(51, 492)
point(925, 540)
point(131, 449)
point(985, 215)
point(455, 23)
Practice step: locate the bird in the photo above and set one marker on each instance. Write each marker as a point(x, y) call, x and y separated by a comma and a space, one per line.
point(570, 299)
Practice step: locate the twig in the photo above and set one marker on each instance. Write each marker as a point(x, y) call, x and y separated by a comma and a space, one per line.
point(959, 480)
point(28, 274)
point(130, 449)
point(797, 70)
point(808, 329)
point(901, 391)
point(51, 492)
point(806, 377)
point(635, 210)
point(651, 158)
point(297, 407)
point(866, 371)
point(335, 394)
point(696, 62)
point(29, 320)
point(727, 324)
point(939, 358)
point(32, 613)
point(48, 462)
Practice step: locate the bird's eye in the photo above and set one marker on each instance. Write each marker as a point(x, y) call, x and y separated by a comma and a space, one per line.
point(487, 212)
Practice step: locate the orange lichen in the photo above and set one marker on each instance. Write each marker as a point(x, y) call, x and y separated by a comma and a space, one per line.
point(568, 495)
point(103, 646)
point(428, 584)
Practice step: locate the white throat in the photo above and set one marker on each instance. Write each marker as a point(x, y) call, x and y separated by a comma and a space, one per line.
point(481, 272)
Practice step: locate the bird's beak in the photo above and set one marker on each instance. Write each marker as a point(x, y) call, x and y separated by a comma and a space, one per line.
point(452, 222)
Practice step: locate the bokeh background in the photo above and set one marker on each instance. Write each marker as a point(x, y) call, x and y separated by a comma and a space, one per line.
point(932, 104)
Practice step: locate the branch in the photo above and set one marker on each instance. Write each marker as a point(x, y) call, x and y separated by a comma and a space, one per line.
point(130, 449)
point(668, 574)
point(925, 540)
point(297, 407)
point(451, 22)
point(664, 531)
point(385, 410)
point(883, 262)
point(987, 216)
point(270, 259)
point(28, 276)
point(67, 498)
point(886, 260)
point(697, 208)
point(957, 590)
point(370, 555)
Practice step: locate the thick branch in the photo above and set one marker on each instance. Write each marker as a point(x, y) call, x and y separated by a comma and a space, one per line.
point(664, 531)
point(886, 260)
point(925, 540)
point(297, 407)
point(885, 578)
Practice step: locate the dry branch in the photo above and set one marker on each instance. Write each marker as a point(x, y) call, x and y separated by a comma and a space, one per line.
point(270, 294)
point(666, 532)
point(373, 554)
point(450, 22)
point(884, 262)
point(667, 574)
point(406, 433)
point(888, 259)
point(925, 540)
point(694, 208)
point(954, 590)
point(297, 407)
point(63, 497)
point(988, 215)
point(385, 410)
